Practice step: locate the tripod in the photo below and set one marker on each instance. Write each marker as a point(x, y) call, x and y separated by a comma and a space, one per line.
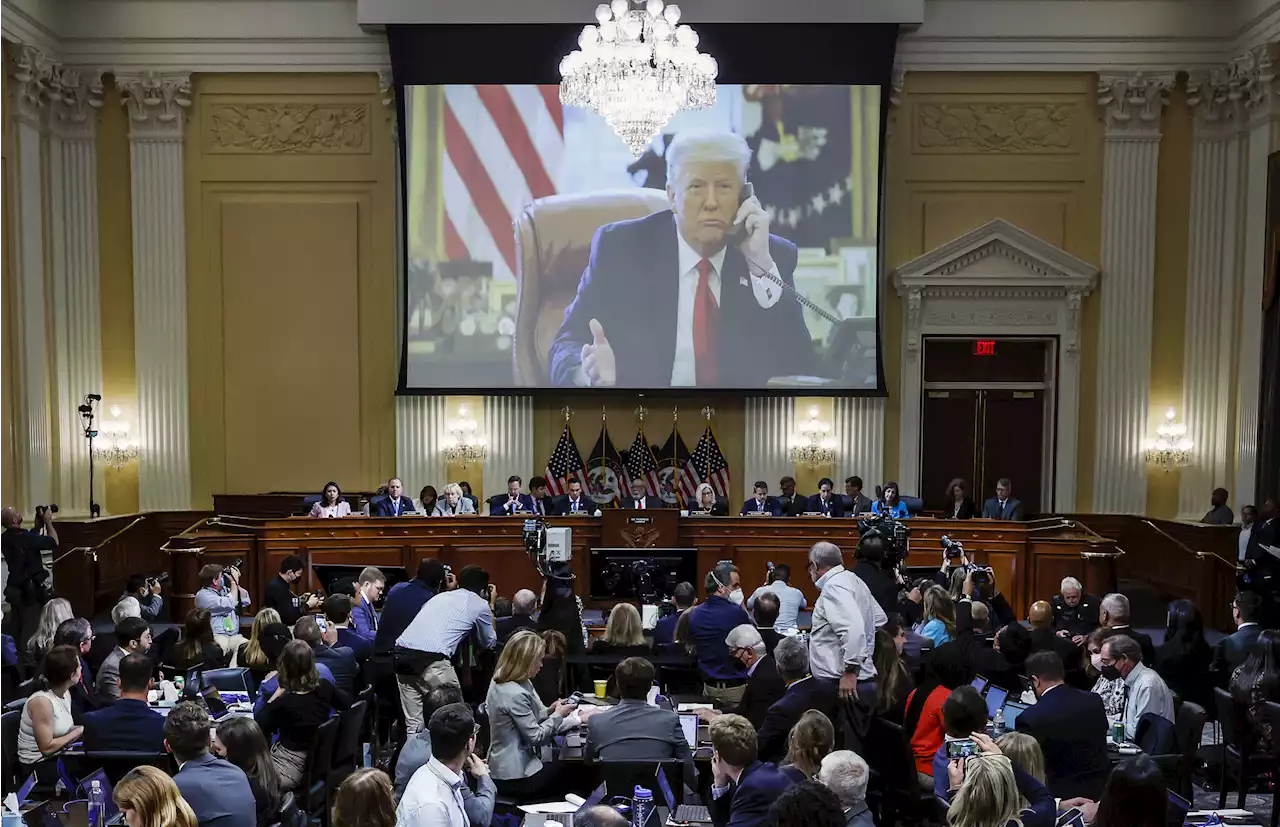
point(90, 433)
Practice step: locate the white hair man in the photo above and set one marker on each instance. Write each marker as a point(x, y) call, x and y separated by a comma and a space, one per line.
point(1075, 612)
point(846, 774)
point(523, 604)
point(845, 620)
point(764, 686)
point(706, 270)
point(1113, 613)
point(127, 607)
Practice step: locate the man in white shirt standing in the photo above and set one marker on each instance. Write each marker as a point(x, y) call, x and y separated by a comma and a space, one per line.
point(1146, 691)
point(434, 795)
point(1248, 515)
point(845, 620)
point(791, 601)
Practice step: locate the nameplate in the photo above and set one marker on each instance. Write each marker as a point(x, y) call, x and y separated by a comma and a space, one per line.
point(759, 514)
point(639, 520)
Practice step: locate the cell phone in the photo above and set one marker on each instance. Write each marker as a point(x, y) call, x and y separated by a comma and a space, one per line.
point(961, 748)
point(739, 231)
point(322, 623)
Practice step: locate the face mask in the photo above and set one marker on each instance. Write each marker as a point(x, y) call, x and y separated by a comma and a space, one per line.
point(735, 597)
point(1111, 673)
point(1096, 660)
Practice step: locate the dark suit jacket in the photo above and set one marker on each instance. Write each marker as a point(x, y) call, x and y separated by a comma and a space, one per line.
point(585, 504)
point(650, 501)
point(810, 693)
point(125, 725)
point(720, 509)
point(398, 611)
point(631, 286)
point(747, 802)
point(880, 583)
point(84, 697)
point(967, 510)
point(764, 689)
point(770, 638)
point(360, 646)
point(978, 655)
point(795, 507)
point(1012, 509)
point(664, 631)
point(771, 506)
point(342, 663)
point(1047, 640)
point(1071, 726)
point(635, 731)
point(860, 506)
point(1186, 672)
point(218, 791)
point(834, 506)
point(508, 626)
point(1144, 640)
point(1232, 650)
point(498, 505)
point(381, 506)
point(1080, 619)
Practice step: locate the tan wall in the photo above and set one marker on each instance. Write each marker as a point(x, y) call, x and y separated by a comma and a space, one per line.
point(1032, 155)
point(291, 283)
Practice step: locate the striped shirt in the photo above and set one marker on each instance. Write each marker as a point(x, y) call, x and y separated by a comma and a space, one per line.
point(445, 620)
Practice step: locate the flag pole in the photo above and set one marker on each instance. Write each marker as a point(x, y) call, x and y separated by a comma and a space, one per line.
point(708, 411)
point(675, 455)
point(564, 481)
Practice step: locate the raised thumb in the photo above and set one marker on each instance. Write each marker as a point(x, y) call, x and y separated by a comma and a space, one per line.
point(597, 333)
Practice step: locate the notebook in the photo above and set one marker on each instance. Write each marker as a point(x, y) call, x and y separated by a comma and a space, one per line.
point(995, 700)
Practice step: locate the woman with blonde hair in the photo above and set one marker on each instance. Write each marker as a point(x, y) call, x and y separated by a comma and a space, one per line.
point(939, 616)
point(810, 740)
point(147, 797)
point(365, 799)
point(1024, 751)
point(987, 790)
point(706, 502)
point(51, 616)
point(452, 502)
point(623, 634)
point(251, 655)
point(520, 725)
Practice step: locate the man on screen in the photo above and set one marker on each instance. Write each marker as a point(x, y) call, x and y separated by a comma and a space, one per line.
point(691, 295)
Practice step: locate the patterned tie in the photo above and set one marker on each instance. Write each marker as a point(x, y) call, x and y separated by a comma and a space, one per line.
point(706, 326)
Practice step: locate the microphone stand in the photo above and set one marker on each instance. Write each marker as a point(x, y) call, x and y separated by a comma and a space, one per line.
point(90, 433)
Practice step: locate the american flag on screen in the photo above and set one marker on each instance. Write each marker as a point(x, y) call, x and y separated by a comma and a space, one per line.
point(502, 147)
point(708, 465)
point(641, 465)
point(565, 464)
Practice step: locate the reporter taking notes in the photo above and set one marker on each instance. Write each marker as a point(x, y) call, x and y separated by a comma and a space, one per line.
point(691, 295)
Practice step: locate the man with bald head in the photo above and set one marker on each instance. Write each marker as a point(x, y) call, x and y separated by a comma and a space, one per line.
point(1044, 638)
point(523, 605)
point(25, 589)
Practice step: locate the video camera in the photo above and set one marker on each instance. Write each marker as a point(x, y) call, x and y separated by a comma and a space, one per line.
point(550, 549)
point(893, 534)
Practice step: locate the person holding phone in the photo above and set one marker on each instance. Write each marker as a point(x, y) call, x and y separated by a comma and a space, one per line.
point(986, 789)
point(697, 294)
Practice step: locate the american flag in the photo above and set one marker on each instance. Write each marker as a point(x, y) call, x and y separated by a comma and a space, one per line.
point(565, 464)
point(641, 465)
point(709, 465)
point(502, 149)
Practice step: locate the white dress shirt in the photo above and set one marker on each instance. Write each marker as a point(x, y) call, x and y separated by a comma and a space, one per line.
point(1245, 533)
point(1147, 693)
point(433, 798)
point(790, 602)
point(845, 619)
point(445, 620)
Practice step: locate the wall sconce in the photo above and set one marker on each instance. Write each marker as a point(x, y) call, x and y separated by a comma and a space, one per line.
point(1170, 449)
point(816, 449)
point(466, 447)
point(114, 448)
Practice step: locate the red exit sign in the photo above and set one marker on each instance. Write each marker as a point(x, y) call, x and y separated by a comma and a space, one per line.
point(984, 347)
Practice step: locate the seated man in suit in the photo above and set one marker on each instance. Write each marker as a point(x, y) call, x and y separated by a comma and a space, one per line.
point(1003, 506)
point(128, 724)
point(633, 730)
point(394, 503)
point(765, 614)
point(640, 498)
point(826, 502)
point(1113, 613)
point(523, 605)
point(743, 788)
point(1071, 726)
point(78, 632)
point(764, 685)
point(217, 790)
point(337, 611)
point(512, 502)
point(684, 595)
point(855, 502)
point(804, 692)
point(574, 501)
point(1045, 639)
point(340, 660)
point(132, 635)
point(791, 503)
point(761, 502)
point(700, 294)
point(1075, 613)
point(1231, 651)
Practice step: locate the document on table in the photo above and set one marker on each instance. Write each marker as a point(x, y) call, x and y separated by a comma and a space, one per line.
point(693, 707)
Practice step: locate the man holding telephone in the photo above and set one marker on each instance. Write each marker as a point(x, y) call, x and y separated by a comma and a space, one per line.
point(693, 295)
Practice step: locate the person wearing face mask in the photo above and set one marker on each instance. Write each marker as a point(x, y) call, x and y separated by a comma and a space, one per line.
point(1111, 692)
point(1146, 690)
point(710, 622)
point(1071, 727)
point(764, 685)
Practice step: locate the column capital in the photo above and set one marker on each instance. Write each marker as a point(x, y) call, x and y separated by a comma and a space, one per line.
point(897, 82)
point(1216, 97)
point(156, 103)
point(1256, 69)
point(1131, 103)
point(33, 73)
point(76, 99)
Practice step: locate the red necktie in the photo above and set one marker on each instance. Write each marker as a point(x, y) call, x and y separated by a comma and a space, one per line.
point(706, 326)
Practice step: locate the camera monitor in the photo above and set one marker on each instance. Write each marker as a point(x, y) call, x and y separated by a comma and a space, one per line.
point(648, 575)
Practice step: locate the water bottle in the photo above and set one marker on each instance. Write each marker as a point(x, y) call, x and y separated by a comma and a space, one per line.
point(997, 725)
point(97, 805)
point(642, 805)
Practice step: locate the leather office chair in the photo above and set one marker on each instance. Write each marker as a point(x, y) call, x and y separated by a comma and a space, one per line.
point(553, 245)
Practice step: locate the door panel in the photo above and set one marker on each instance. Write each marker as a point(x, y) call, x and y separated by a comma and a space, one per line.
point(948, 443)
point(1012, 444)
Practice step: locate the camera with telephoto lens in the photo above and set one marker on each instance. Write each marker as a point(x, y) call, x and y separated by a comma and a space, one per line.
point(979, 574)
point(893, 534)
point(160, 579)
point(952, 548)
point(40, 509)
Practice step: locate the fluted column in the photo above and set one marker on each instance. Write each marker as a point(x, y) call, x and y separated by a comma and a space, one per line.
point(1131, 106)
point(1213, 283)
point(770, 425)
point(77, 341)
point(858, 429)
point(508, 432)
point(420, 435)
point(156, 106)
point(32, 73)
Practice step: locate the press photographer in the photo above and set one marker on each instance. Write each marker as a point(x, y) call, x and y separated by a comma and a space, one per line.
point(27, 589)
point(221, 595)
point(881, 550)
point(147, 591)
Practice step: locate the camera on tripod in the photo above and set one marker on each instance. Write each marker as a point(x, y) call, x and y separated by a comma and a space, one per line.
point(892, 534)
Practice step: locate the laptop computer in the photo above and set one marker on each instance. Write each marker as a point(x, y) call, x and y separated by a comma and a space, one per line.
point(979, 683)
point(1012, 709)
point(689, 725)
point(685, 813)
point(86, 784)
point(995, 700)
point(1178, 809)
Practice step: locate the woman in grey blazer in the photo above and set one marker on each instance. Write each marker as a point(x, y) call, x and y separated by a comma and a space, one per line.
point(520, 725)
point(453, 503)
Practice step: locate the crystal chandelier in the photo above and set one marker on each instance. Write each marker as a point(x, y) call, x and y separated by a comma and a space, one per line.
point(637, 68)
point(114, 448)
point(466, 447)
point(1171, 449)
point(816, 449)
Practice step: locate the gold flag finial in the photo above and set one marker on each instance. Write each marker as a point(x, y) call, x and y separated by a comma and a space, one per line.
point(708, 412)
point(640, 412)
point(566, 411)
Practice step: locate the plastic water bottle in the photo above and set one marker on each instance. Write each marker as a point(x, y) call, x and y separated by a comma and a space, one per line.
point(642, 805)
point(997, 725)
point(97, 805)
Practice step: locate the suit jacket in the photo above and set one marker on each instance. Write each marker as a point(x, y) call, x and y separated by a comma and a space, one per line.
point(508, 626)
point(966, 511)
point(771, 506)
point(765, 687)
point(1232, 650)
point(342, 663)
point(465, 506)
point(635, 731)
point(794, 507)
point(810, 693)
point(650, 501)
point(1047, 640)
point(833, 506)
point(520, 725)
point(1012, 509)
point(1080, 619)
point(720, 509)
point(770, 638)
point(361, 647)
point(980, 658)
point(107, 683)
point(631, 286)
point(859, 506)
point(1144, 640)
point(218, 791)
point(585, 504)
point(364, 619)
point(382, 507)
point(498, 505)
point(1071, 726)
point(747, 802)
point(125, 725)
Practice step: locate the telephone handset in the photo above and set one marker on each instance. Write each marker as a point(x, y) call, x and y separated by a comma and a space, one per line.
point(738, 232)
